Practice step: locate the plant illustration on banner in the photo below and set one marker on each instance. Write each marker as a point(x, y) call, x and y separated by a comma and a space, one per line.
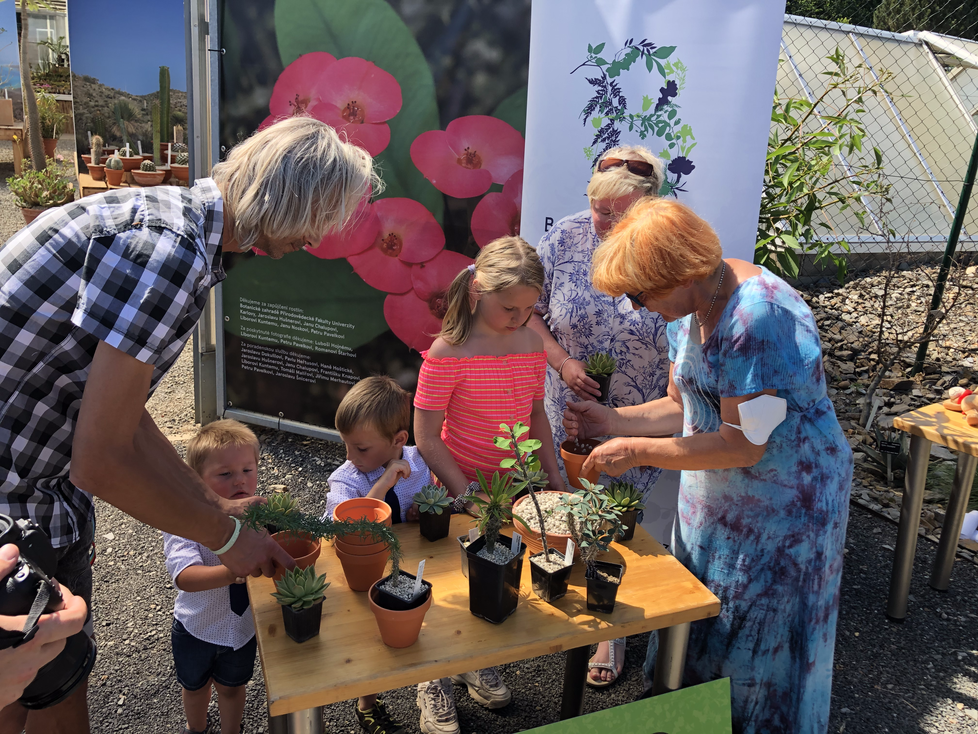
point(361, 71)
point(607, 110)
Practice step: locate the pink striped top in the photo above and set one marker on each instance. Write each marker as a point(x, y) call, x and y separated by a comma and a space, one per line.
point(477, 394)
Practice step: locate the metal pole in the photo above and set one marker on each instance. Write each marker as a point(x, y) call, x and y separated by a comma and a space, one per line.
point(670, 659)
point(914, 480)
point(957, 506)
point(575, 671)
point(952, 243)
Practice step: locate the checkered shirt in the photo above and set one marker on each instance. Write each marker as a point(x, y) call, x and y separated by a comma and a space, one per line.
point(131, 268)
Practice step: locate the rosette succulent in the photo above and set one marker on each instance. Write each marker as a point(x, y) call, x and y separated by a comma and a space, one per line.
point(300, 588)
point(625, 497)
point(282, 502)
point(432, 499)
point(600, 363)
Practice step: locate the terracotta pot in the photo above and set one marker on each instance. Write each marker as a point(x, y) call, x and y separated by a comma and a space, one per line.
point(573, 462)
point(148, 178)
point(359, 550)
point(164, 149)
point(557, 541)
point(147, 156)
point(50, 144)
point(303, 548)
point(181, 173)
point(398, 628)
point(362, 507)
point(131, 163)
point(96, 172)
point(165, 170)
point(87, 159)
point(114, 176)
point(32, 213)
point(362, 571)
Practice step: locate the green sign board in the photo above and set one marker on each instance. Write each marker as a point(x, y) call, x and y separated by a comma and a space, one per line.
point(702, 709)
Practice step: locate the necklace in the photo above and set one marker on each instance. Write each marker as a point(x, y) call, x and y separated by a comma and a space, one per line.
point(716, 293)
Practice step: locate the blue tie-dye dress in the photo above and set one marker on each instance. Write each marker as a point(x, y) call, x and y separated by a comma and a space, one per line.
point(768, 539)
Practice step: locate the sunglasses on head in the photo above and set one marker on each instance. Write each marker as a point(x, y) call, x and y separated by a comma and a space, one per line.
point(639, 168)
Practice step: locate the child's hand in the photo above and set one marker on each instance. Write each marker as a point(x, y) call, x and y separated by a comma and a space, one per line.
point(398, 469)
point(412, 514)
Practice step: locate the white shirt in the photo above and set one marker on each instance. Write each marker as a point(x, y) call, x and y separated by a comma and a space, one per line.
point(348, 482)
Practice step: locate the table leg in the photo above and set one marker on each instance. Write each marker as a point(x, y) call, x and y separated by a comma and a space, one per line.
point(18, 156)
point(307, 721)
point(278, 724)
point(957, 506)
point(906, 545)
point(670, 660)
point(575, 669)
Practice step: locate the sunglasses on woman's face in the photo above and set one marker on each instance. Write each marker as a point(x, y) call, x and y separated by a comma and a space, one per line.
point(639, 168)
point(636, 300)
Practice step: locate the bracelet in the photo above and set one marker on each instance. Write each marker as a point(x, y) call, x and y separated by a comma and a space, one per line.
point(459, 504)
point(560, 370)
point(234, 536)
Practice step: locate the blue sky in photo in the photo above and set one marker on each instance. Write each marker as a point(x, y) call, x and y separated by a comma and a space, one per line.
point(129, 59)
point(9, 57)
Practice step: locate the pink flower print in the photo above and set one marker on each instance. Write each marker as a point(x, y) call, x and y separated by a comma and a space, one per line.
point(297, 90)
point(498, 214)
point(415, 317)
point(469, 155)
point(408, 234)
point(359, 233)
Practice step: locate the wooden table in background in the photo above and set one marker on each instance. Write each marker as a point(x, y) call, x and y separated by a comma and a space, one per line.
point(348, 659)
point(15, 134)
point(928, 425)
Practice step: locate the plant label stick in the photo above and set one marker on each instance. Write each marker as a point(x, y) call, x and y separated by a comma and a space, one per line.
point(473, 534)
point(515, 545)
point(139, 144)
point(417, 581)
point(569, 553)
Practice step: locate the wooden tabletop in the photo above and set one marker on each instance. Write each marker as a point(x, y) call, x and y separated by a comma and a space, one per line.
point(941, 426)
point(348, 659)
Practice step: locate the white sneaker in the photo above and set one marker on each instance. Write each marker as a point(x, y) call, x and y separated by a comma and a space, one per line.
point(486, 687)
point(436, 700)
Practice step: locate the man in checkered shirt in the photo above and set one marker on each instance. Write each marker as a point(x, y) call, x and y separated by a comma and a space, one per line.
point(97, 299)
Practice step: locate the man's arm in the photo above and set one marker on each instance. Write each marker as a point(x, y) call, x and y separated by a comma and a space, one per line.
point(121, 456)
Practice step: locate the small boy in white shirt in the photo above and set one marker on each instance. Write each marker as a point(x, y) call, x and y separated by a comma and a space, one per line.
point(213, 632)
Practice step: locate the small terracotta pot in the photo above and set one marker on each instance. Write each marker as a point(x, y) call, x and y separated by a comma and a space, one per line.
point(148, 178)
point(32, 213)
point(131, 163)
point(573, 462)
point(363, 571)
point(359, 550)
point(147, 156)
point(362, 507)
point(181, 173)
point(303, 548)
point(87, 158)
point(398, 628)
point(97, 172)
point(50, 145)
point(557, 541)
point(114, 176)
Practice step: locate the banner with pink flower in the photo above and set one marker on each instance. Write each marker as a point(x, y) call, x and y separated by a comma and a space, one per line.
point(435, 92)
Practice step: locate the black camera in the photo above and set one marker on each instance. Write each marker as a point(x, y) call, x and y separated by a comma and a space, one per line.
point(24, 589)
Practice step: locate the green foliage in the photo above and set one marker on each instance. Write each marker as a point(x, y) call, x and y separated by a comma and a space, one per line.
point(51, 186)
point(300, 588)
point(804, 175)
point(600, 363)
point(53, 119)
point(957, 18)
point(625, 497)
point(126, 118)
point(496, 509)
point(147, 166)
point(156, 133)
point(526, 471)
point(432, 499)
point(839, 11)
point(164, 102)
point(282, 502)
point(97, 143)
point(593, 519)
point(114, 162)
point(98, 125)
point(182, 159)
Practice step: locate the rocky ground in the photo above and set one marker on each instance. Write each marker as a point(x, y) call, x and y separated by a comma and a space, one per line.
point(921, 676)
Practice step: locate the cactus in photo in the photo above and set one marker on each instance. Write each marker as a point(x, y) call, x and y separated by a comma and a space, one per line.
point(156, 133)
point(97, 149)
point(98, 125)
point(178, 134)
point(164, 123)
point(114, 162)
point(600, 363)
point(182, 159)
point(179, 148)
point(147, 167)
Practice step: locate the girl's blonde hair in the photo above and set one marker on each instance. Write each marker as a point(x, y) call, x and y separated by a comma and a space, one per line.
point(659, 245)
point(296, 179)
point(502, 264)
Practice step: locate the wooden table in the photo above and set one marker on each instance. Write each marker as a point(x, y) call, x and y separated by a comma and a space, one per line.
point(15, 134)
point(348, 659)
point(928, 425)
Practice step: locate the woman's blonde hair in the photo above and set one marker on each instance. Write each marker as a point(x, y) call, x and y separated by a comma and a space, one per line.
point(502, 264)
point(659, 245)
point(293, 180)
point(222, 434)
point(619, 181)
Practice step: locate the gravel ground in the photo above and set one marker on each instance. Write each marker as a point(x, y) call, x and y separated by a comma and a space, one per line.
point(921, 676)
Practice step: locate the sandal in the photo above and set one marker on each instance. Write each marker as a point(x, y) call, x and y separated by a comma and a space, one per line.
point(616, 648)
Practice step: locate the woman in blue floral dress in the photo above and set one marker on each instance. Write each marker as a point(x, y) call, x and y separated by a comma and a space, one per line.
point(576, 321)
point(762, 519)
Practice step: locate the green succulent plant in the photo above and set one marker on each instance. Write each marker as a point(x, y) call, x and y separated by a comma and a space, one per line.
point(496, 508)
point(625, 497)
point(182, 159)
point(114, 162)
point(282, 502)
point(600, 363)
point(97, 144)
point(147, 166)
point(300, 588)
point(593, 519)
point(432, 499)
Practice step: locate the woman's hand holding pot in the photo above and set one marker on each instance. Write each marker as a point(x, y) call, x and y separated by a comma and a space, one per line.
point(575, 377)
point(588, 419)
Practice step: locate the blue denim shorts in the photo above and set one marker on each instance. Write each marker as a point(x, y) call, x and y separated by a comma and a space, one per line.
point(198, 661)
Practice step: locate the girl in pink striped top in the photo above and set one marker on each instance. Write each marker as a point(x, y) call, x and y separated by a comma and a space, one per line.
point(485, 368)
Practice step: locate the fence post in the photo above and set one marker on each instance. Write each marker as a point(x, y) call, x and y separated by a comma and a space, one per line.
point(952, 243)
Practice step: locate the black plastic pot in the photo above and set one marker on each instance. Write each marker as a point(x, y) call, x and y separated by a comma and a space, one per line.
point(396, 603)
point(601, 594)
point(494, 590)
point(304, 624)
point(550, 585)
point(604, 384)
point(465, 558)
point(630, 519)
point(435, 527)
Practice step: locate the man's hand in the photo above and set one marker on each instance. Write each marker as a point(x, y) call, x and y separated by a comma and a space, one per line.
point(396, 470)
point(613, 457)
point(255, 554)
point(18, 666)
point(588, 419)
point(575, 377)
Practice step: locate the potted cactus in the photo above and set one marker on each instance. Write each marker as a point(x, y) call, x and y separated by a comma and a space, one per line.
point(96, 168)
point(180, 162)
point(494, 569)
point(131, 160)
point(114, 170)
point(594, 522)
point(599, 367)
point(301, 593)
point(628, 501)
point(434, 518)
point(147, 175)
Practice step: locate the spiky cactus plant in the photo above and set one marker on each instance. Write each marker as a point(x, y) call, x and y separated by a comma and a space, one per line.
point(496, 509)
point(432, 499)
point(97, 143)
point(182, 159)
point(164, 118)
point(600, 363)
point(156, 133)
point(147, 167)
point(114, 162)
point(300, 588)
